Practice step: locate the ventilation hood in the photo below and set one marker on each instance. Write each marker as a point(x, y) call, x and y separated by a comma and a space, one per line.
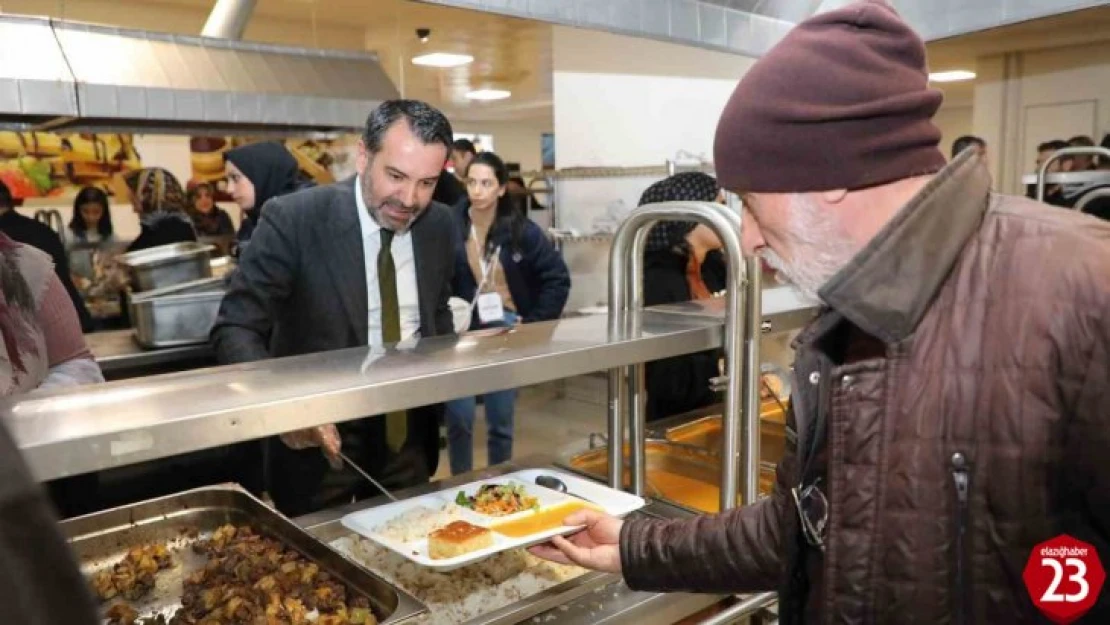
point(61, 75)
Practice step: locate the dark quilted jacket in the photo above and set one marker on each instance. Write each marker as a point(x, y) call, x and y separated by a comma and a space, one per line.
point(992, 316)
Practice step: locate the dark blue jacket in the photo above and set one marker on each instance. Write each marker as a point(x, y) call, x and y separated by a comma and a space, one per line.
point(537, 276)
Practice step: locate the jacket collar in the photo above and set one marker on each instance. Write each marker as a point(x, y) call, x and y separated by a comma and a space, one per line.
point(888, 286)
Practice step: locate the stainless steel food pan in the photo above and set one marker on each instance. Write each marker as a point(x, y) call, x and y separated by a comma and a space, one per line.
point(101, 539)
point(179, 315)
point(167, 265)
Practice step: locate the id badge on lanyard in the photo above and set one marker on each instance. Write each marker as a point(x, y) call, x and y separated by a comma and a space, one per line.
point(490, 307)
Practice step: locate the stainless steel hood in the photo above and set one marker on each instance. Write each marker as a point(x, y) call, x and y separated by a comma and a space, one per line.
point(36, 85)
point(59, 75)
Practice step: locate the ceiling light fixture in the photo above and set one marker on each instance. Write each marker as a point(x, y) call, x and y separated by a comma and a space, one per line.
point(952, 76)
point(442, 59)
point(488, 94)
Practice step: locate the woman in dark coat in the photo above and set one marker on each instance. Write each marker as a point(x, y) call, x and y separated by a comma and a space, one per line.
point(682, 262)
point(500, 255)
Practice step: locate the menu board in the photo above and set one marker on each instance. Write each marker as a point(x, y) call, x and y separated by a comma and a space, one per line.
point(47, 164)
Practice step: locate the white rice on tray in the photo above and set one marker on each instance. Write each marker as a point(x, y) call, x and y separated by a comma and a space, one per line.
point(465, 593)
point(417, 523)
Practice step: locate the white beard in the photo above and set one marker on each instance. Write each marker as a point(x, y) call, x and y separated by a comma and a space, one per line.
point(816, 248)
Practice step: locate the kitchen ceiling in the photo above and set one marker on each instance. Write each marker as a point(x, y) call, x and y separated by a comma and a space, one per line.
point(1089, 26)
point(515, 54)
point(509, 53)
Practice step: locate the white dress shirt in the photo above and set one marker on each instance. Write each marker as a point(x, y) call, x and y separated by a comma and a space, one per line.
point(408, 297)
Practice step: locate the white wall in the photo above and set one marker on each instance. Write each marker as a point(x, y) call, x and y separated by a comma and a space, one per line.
point(1026, 98)
point(954, 121)
point(626, 102)
point(622, 101)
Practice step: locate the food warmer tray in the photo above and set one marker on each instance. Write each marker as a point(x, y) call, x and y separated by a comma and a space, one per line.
point(167, 265)
point(102, 539)
point(178, 315)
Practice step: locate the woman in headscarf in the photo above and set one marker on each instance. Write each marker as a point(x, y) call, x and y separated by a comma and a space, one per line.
point(160, 202)
point(682, 262)
point(257, 172)
point(209, 220)
point(43, 346)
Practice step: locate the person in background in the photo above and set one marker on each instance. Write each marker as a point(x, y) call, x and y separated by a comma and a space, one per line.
point(1083, 162)
point(43, 348)
point(1053, 193)
point(462, 152)
point(518, 189)
point(91, 222)
point(89, 230)
point(363, 262)
point(449, 191)
point(966, 141)
point(951, 407)
point(39, 235)
point(160, 202)
point(503, 258)
point(682, 262)
point(42, 339)
point(257, 172)
point(209, 220)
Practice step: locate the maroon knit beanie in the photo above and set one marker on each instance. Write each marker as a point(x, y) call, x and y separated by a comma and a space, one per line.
point(842, 102)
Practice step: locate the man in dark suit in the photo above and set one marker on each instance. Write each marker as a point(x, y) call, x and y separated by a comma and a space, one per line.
point(366, 261)
point(37, 234)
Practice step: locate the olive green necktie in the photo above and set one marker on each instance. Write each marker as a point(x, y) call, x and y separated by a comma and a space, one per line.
point(396, 423)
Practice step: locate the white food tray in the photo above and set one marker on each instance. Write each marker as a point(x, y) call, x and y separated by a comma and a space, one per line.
point(367, 522)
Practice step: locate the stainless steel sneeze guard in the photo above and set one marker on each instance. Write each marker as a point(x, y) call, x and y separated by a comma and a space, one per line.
point(75, 431)
point(741, 347)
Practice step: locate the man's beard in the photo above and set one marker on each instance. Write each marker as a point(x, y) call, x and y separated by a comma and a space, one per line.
point(816, 248)
point(375, 207)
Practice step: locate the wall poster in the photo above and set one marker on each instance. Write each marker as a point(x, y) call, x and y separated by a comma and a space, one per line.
point(47, 164)
point(321, 160)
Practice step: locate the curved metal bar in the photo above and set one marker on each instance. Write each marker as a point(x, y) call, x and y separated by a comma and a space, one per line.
point(625, 298)
point(1090, 196)
point(742, 610)
point(1057, 155)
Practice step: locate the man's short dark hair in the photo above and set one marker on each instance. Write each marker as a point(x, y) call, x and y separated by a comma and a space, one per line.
point(966, 141)
point(1054, 145)
point(425, 121)
point(5, 196)
point(465, 145)
point(1079, 141)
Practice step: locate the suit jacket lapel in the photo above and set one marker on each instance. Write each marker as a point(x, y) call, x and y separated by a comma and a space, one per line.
point(343, 236)
point(427, 274)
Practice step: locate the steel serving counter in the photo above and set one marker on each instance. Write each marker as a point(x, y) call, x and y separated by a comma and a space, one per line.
point(65, 433)
point(69, 432)
point(117, 351)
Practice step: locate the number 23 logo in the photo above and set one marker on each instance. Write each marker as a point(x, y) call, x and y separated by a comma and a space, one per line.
point(1051, 594)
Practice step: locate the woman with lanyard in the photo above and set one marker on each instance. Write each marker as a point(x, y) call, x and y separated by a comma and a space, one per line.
point(511, 273)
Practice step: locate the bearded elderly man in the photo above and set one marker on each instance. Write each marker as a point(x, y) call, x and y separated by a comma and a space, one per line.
point(366, 261)
point(953, 400)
